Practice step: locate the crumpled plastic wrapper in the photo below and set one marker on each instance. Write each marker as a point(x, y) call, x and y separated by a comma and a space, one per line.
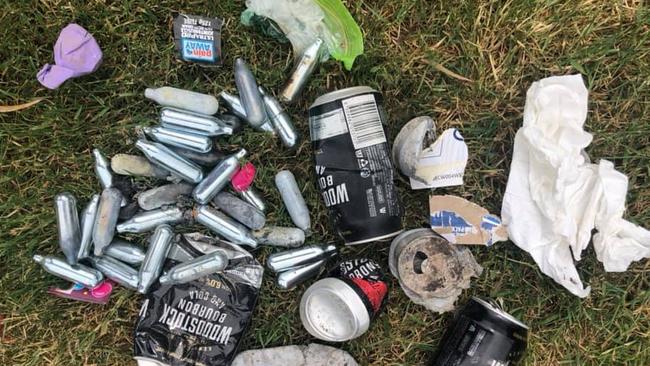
point(431, 271)
point(555, 197)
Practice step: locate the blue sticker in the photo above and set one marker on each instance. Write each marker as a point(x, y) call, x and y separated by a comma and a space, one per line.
point(449, 219)
point(198, 50)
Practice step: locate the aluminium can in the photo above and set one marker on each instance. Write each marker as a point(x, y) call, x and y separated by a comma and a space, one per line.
point(353, 166)
point(340, 307)
point(482, 334)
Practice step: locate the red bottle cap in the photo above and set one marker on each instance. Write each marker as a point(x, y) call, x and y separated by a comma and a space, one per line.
point(243, 178)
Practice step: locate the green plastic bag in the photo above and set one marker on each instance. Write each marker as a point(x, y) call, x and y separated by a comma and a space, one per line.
point(302, 21)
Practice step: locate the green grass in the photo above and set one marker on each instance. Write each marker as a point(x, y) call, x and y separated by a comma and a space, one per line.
point(502, 46)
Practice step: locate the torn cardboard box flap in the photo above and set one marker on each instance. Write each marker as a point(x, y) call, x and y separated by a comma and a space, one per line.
point(463, 222)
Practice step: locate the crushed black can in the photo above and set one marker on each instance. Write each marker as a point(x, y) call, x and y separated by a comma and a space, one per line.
point(353, 165)
point(482, 334)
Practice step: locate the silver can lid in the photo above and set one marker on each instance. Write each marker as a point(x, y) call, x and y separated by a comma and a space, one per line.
point(332, 311)
point(342, 94)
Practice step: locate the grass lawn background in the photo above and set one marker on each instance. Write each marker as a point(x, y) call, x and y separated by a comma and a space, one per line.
point(502, 46)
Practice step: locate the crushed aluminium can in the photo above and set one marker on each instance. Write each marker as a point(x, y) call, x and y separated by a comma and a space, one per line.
point(340, 307)
point(482, 334)
point(353, 165)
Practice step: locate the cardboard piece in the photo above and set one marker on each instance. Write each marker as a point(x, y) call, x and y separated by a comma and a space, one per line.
point(443, 163)
point(463, 222)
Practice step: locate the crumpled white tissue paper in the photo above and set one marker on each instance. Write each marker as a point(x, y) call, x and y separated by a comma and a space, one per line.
point(555, 196)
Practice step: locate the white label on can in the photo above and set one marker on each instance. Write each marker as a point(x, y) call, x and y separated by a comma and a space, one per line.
point(364, 121)
point(327, 125)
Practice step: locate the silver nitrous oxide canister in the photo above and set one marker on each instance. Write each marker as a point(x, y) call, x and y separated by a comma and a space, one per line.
point(117, 271)
point(67, 220)
point(224, 226)
point(149, 220)
point(301, 72)
point(177, 138)
point(195, 123)
point(196, 268)
point(283, 261)
point(171, 161)
point(293, 200)
point(77, 273)
point(280, 120)
point(159, 245)
point(218, 178)
point(87, 224)
point(106, 218)
point(249, 95)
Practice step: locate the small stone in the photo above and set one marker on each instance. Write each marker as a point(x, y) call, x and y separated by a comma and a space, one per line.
point(125, 164)
point(240, 210)
point(164, 195)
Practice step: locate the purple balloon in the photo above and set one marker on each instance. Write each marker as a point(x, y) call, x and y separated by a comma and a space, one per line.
point(76, 53)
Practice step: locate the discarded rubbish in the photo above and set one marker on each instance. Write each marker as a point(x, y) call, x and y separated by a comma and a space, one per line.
point(482, 334)
point(152, 264)
point(218, 178)
point(234, 105)
point(208, 160)
point(287, 237)
point(87, 225)
point(77, 273)
point(301, 72)
point(164, 195)
point(443, 163)
point(196, 268)
point(171, 161)
point(99, 294)
point(106, 219)
point(340, 307)
point(310, 355)
point(195, 123)
point(242, 183)
point(353, 168)
point(224, 226)
point(67, 222)
point(555, 197)
point(183, 99)
point(299, 265)
point(249, 95)
point(102, 169)
point(240, 210)
point(430, 164)
point(198, 39)
point(117, 271)
point(290, 259)
point(125, 164)
point(463, 222)
point(431, 271)
point(303, 21)
point(76, 53)
point(293, 200)
point(201, 322)
point(232, 121)
point(149, 220)
point(295, 276)
point(124, 251)
point(181, 139)
point(280, 120)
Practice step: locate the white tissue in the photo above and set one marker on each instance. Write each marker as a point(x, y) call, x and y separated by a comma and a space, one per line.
point(555, 197)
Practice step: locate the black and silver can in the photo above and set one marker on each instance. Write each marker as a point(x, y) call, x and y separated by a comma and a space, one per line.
point(482, 334)
point(353, 165)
